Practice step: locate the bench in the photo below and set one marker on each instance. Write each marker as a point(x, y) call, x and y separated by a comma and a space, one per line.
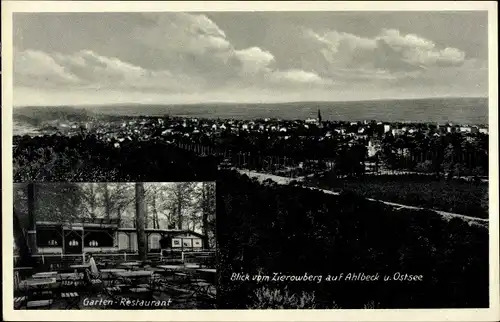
point(39, 304)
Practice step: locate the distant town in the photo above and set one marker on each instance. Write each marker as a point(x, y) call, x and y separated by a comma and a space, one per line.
point(198, 130)
point(286, 138)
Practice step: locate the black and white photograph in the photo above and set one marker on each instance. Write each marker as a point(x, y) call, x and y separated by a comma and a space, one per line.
point(255, 159)
point(114, 246)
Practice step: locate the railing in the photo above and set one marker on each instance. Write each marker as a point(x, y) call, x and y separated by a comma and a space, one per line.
point(48, 259)
point(57, 259)
point(194, 256)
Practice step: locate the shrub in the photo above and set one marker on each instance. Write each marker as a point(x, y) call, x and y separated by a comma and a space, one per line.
point(267, 298)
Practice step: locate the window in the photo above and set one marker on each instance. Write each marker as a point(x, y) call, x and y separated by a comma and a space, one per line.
point(48, 238)
point(99, 238)
point(176, 242)
point(53, 242)
point(74, 242)
point(197, 243)
point(187, 242)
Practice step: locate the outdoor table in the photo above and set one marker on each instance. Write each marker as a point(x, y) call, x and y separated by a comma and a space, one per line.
point(112, 270)
point(192, 266)
point(208, 272)
point(37, 284)
point(40, 283)
point(80, 266)
point(70, 276)
point(70, 279)
point(43, 275)
point(170, 267)
point(35, 287)
point(130, 264)
point(134, 276)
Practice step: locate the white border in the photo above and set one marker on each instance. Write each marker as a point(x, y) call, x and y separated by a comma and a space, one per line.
point(8, 7)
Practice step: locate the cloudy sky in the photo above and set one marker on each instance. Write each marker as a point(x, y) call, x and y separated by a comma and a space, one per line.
point(101, 58)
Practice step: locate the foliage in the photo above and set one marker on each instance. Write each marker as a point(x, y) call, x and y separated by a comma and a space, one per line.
point(273, 228)
point(82, 158)
point(266, 298)
point(457, 196)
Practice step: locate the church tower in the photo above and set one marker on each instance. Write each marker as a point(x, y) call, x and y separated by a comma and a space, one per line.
point(319, 117)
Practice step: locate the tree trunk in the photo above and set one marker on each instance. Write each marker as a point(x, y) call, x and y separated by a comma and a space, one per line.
point(92, 201)
point(179, 209)
point(25, 258)
point(155, 212)
point(119, 216)
point(204, 220)
point(139, 218)
point(31, 218)
point(107, 202)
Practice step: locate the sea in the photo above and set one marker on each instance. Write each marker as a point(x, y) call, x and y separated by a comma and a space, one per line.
point(439, 110)
point(471, 111)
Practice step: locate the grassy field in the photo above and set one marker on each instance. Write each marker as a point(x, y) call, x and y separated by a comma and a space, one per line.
point(457, 196)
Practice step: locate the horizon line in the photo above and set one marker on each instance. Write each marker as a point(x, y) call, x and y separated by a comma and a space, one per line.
point(255, 102)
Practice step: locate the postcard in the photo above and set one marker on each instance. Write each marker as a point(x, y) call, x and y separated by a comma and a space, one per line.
point(250, 161)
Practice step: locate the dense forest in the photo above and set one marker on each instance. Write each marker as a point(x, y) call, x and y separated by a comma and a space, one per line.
point(291, 230)
point(445, 155)
point(454, 195)
point(84, 158)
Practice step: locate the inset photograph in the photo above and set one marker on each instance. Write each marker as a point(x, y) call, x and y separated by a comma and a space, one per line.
point(114, 246)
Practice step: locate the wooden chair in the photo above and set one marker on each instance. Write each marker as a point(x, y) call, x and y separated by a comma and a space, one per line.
point(19, 301)
point(93, 281)
point(72, 299)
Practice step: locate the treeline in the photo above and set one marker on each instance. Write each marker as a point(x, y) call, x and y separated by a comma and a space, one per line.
point(450, 154)
point(85, 158)
point(291, 230)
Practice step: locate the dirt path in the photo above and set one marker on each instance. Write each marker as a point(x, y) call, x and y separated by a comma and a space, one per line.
point(284, 180)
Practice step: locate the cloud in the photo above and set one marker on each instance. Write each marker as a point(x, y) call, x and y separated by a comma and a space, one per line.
point(254, 59)
point(195, 44)
point(297, 77)
point(390, 52)
point(36, 67)
point(179, 55)
point(195, 55)
point(87, 69)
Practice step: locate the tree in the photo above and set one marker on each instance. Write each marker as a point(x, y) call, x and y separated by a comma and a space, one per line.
point(140, 212)
point(206, 201)
point(89, 196)
point(181, 201)
point(107, 201)
point(25, 245)
point(58, 201)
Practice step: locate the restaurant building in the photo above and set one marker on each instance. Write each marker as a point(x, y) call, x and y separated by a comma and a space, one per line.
point(104, 236)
